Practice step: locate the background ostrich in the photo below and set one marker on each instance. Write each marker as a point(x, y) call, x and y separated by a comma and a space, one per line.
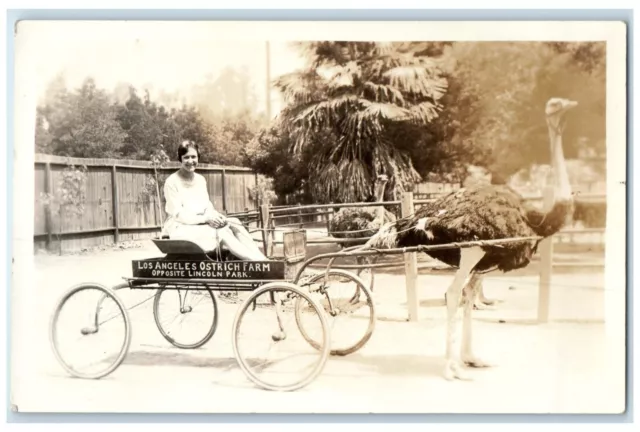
point(362, 222)
point(484, 212)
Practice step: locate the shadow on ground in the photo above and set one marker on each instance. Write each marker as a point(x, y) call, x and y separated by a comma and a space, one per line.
point(391, 365)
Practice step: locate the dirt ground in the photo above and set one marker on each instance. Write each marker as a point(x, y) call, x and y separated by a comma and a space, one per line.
point(560, 367)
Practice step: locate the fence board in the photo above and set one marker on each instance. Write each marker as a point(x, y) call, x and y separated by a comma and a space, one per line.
point(236, 193)
point(39, 222)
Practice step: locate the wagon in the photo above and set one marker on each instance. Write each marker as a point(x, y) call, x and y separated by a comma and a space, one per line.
point(278, 285)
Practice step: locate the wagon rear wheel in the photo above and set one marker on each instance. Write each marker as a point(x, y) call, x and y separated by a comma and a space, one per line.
point(100, 319)
point(349, 306)
point(186, 318)
point(265, 325)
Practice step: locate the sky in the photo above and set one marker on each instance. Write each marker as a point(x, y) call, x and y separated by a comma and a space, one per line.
point(170, 62)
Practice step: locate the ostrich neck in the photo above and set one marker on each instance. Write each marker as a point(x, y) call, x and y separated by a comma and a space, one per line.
point(562, 186)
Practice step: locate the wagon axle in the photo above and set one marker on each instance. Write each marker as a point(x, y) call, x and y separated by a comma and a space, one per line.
point(279, 336)
point(89, 330)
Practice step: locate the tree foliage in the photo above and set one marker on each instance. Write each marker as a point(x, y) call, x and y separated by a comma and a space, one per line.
point(80, 123)
point(411, 110)
point(494, 112)
point(91, 122)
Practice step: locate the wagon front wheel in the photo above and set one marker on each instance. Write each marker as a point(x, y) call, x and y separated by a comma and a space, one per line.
point(265, 325)
point(92, 314)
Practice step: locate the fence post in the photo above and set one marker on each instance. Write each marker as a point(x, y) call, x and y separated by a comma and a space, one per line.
point(256, 200)
point(410, 263)
point(546, 264)
point(329, 216)
point(264, 214)
point(48, 218)
point(114, 206)
point(224, 191)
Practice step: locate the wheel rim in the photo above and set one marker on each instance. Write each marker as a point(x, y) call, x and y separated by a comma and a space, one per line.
point(86, 330)
point(197, 308)
point(280, 374)
point(351, 323)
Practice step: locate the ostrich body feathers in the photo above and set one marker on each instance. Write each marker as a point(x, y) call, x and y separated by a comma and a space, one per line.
point(481, 212)
point(362, 222)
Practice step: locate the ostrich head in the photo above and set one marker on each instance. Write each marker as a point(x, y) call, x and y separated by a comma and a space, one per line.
point(556, 110)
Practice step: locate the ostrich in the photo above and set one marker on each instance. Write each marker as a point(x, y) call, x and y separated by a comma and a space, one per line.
point(484, 212)
point(362, 222)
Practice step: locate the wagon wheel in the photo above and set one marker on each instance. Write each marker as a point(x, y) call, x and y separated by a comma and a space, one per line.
point(336, 289)
point(180, 305)
point(267, 320)
point(104, 308)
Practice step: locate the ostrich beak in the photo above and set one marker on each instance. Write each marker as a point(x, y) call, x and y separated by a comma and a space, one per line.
point(569, 104)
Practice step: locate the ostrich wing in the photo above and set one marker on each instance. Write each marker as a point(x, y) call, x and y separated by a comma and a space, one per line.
point(483, 212)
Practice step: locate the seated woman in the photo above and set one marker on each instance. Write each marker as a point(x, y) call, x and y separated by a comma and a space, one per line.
point(191, 215)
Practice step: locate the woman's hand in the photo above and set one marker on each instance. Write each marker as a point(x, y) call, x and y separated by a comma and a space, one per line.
point(217, 221)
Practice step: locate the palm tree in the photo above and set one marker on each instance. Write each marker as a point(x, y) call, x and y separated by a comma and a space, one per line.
point(345, 104)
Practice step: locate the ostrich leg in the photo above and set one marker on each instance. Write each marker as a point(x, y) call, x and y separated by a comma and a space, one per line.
point(482, 298)
point(469, 257)
point(470, 293)
point(479, 300)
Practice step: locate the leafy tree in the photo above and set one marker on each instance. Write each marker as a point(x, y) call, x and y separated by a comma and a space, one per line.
point(79, 124)
point(268, 153)
point(499, 90)
point(90, 122)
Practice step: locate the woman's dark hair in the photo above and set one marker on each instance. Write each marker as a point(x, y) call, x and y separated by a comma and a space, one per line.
point(184, 147)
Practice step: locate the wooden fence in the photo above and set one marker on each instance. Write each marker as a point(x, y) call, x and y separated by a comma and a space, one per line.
point(130, 216)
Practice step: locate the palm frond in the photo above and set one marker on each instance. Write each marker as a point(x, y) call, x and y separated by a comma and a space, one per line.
point(393, 59)
point(383, 93)
point(418, 80)
point(345, 181)
point(367, 124)
point(299, 87)
point(424, 112)
point(327, 112)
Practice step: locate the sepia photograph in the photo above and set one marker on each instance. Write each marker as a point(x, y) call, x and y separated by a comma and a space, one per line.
point(319, 217)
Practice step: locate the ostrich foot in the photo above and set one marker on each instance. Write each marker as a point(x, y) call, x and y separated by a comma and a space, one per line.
point(453, 370)
point(491, 301)
point(475, 362)
point(478, 305)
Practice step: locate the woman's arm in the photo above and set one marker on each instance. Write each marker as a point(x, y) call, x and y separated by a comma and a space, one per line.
point(175, 210)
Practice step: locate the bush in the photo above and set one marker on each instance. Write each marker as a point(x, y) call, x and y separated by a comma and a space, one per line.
point(591, 214)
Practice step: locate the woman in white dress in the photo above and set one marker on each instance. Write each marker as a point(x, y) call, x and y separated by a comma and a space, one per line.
point(191, 215)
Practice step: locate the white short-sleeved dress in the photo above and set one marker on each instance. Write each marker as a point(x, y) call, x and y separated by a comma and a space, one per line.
point(187, 202)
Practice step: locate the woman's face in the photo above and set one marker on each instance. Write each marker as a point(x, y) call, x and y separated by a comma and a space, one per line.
point(190, 160)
